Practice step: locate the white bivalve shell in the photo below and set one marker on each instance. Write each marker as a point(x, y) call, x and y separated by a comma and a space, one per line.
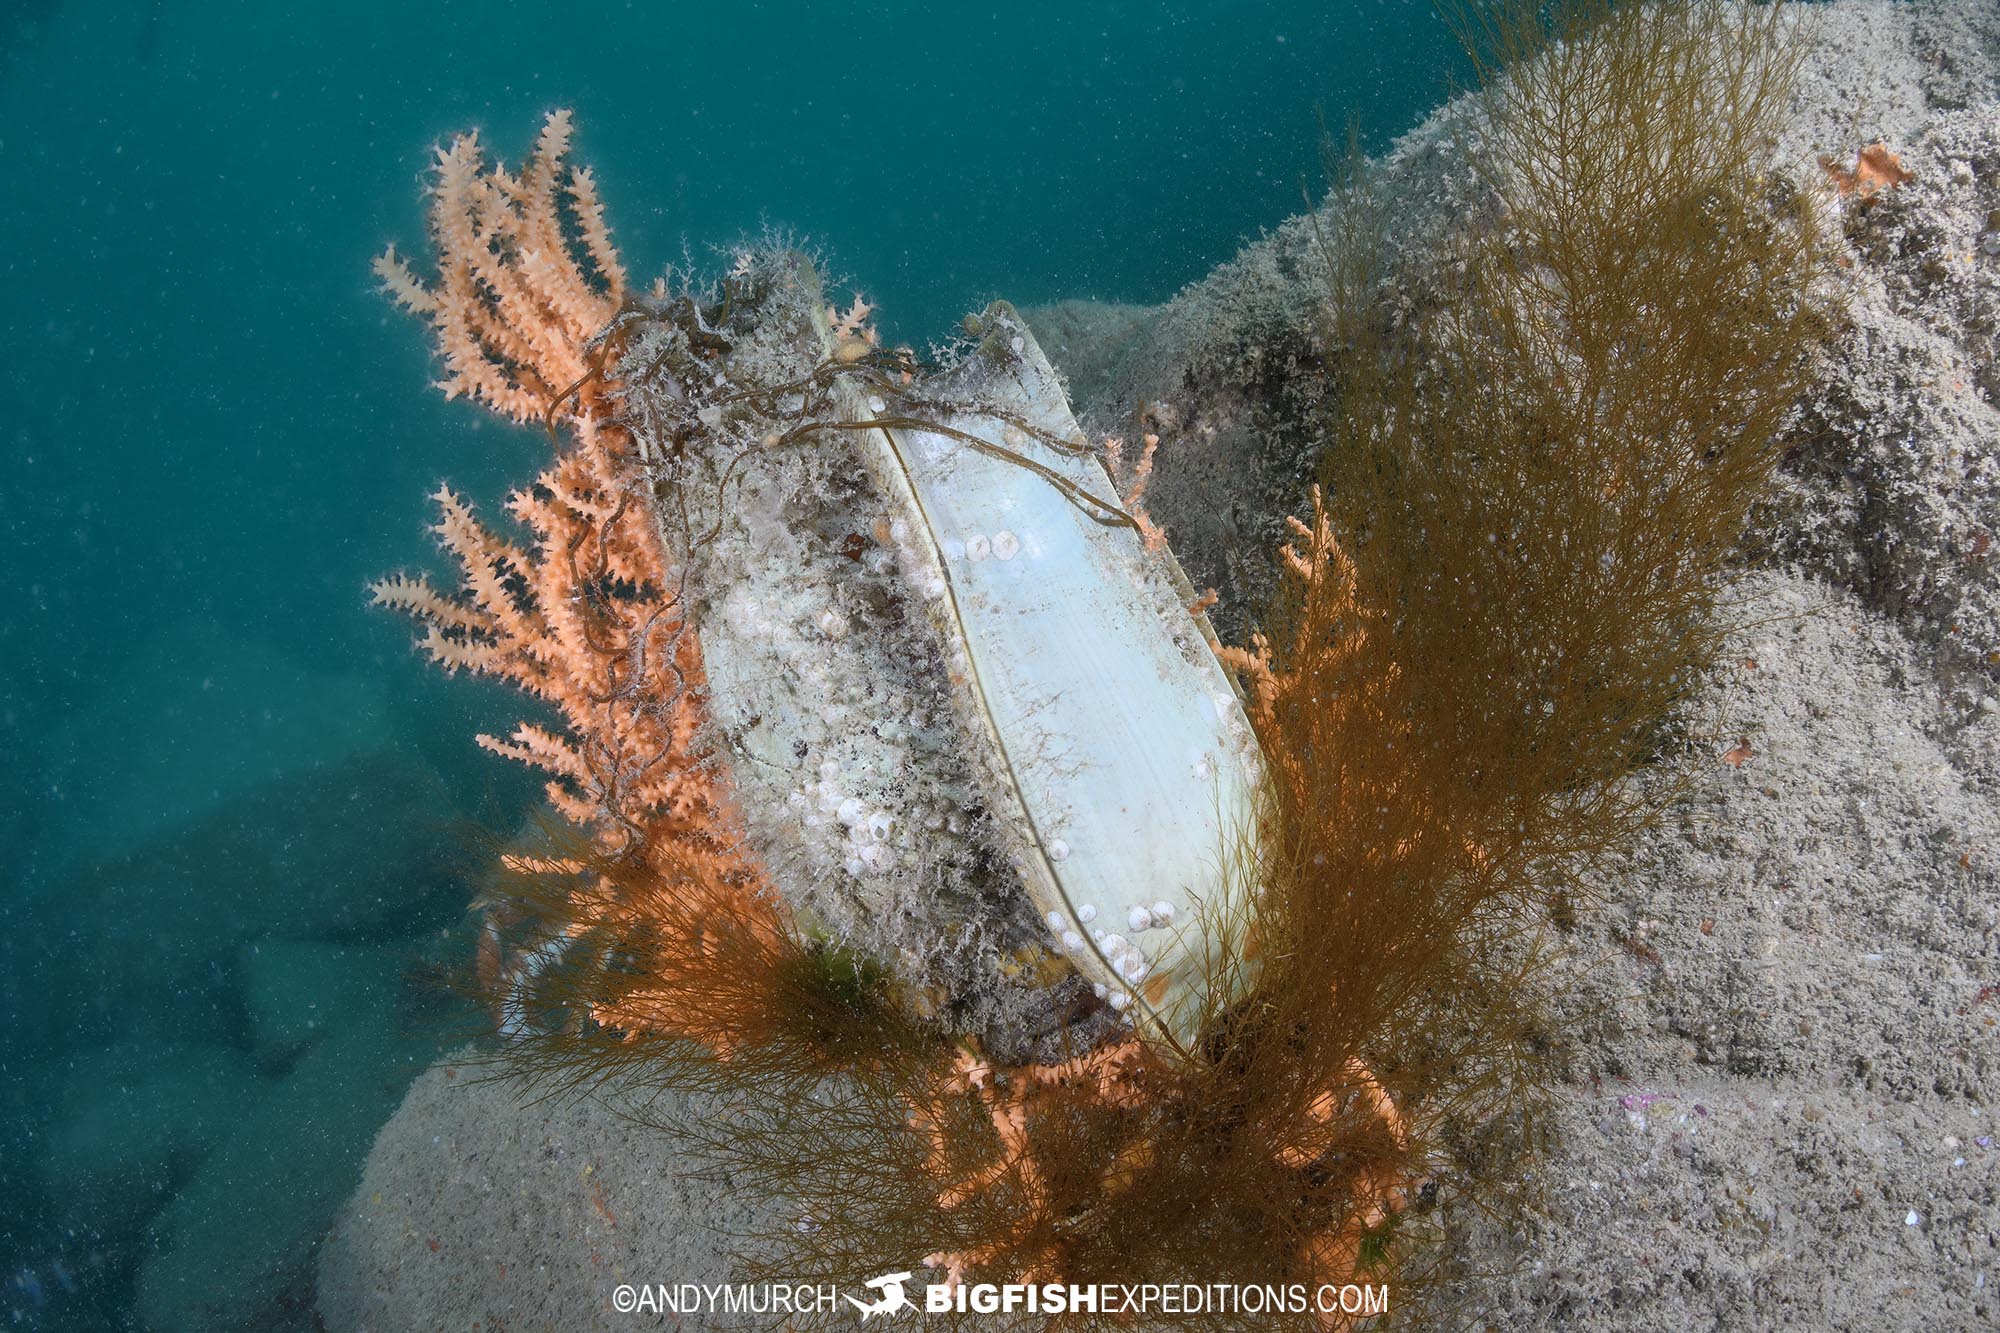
point(962, 709)
point(1122, 755)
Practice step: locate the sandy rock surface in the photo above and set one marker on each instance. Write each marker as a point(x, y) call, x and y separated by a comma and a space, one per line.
point(1781, 1029)
point(482, 1207)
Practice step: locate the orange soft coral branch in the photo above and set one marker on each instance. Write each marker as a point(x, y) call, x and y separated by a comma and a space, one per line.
point(1110, 1075)
point(596, 236)
point(1131, 483)
point(586, 614)
point(1327, 631)
point(1875, 168)
point(1116, 1076)
point(513, 307)
point(610, 654)
point(586, 618)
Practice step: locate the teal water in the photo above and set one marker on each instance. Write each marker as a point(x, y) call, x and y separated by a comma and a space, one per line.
point(234, 802)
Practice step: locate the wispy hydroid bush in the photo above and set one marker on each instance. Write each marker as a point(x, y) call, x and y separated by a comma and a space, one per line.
point(1538, 483)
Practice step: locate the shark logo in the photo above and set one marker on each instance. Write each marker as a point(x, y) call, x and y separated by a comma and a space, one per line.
point(893, 1298)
